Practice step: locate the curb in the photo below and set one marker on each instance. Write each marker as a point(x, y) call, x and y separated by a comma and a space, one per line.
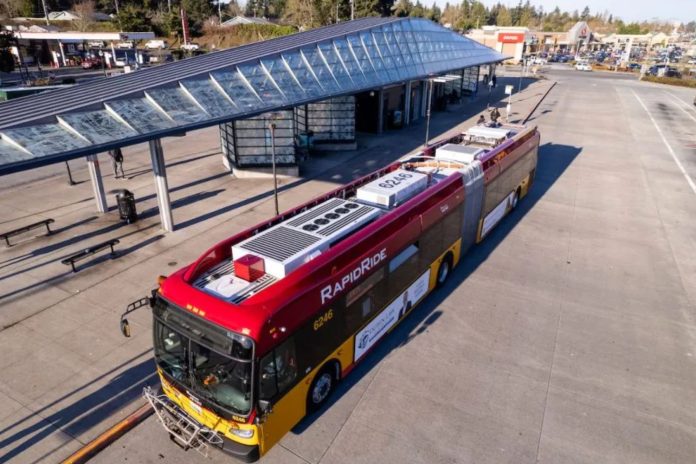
point(115, 432)
point(524, 121)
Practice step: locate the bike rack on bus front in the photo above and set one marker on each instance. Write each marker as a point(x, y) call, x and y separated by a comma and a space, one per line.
point(183, 430)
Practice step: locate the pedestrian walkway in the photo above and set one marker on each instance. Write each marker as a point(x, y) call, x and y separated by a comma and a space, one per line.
point(67, 373)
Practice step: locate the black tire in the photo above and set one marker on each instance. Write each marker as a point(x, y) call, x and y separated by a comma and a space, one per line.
point(322, 386)
point(444, 270)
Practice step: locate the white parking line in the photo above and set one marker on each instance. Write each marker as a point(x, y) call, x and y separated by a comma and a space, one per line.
point(680, 104)
point(669, 147)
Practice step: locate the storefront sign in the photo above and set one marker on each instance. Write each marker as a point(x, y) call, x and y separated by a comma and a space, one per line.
point(511, 37)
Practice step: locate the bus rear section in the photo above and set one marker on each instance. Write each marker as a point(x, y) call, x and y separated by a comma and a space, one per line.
point(257, 332)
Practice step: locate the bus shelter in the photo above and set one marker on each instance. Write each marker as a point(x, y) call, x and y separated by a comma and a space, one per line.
point(225, 86)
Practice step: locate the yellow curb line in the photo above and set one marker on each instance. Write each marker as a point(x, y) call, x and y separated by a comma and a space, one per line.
point(91, 449)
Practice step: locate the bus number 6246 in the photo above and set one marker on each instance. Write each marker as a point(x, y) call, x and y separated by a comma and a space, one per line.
point(323, 319)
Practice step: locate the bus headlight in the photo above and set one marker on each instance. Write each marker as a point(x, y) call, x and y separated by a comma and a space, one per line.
point(242, 433)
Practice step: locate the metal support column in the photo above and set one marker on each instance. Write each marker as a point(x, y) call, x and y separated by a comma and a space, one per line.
point(158, 168)
point(380, 109)
point(407, 103)
point(97, 184)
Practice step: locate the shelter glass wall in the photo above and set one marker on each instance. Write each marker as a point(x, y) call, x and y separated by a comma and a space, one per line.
point(331, 120)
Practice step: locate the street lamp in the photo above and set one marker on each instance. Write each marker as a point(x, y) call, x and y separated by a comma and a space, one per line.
point(272, 127)
point(431, 81)
point(427, 112)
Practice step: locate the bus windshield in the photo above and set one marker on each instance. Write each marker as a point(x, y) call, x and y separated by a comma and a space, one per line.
point(217, 369)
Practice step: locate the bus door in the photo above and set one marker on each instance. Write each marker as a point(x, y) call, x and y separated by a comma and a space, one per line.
point(278, 385)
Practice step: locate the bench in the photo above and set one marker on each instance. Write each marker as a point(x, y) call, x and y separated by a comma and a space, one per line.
point(80, 255)
point(21, 230)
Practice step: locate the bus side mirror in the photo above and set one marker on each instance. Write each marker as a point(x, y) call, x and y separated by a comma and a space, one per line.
point(265, 407)
point(125, 328)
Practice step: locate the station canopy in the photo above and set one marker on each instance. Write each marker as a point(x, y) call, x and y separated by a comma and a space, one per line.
point(222, 86)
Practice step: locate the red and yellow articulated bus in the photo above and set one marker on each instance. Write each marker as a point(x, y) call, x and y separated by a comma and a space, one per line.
point(257, 332)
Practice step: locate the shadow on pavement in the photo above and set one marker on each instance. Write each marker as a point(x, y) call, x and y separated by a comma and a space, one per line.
point(150, 212)
point(553, 161)
point(83, 414)
point(119, 253)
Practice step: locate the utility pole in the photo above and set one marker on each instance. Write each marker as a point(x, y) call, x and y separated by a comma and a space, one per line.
point(427, 112)
point(219, 2)
point(43, 2)
point(272, 126)
point(352, 10)
point(116, 5)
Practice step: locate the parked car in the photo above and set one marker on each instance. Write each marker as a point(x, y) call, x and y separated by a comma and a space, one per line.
point(190, 46)
point(634, 66)
point(583, 66)
point(156, 44)
point(91, 62)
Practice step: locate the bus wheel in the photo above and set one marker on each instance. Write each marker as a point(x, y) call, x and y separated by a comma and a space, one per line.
point(321, 388)
point(443, 271)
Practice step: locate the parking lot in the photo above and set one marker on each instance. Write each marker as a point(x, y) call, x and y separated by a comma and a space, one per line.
point(568, 335)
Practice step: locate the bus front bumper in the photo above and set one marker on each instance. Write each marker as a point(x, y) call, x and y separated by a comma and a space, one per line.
point(246, 453)
point(189, 434)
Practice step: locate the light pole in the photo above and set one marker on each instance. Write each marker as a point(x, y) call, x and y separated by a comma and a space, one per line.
point(427, 112)
point(272, 127)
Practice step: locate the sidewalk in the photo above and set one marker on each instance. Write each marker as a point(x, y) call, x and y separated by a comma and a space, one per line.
point(67, 373)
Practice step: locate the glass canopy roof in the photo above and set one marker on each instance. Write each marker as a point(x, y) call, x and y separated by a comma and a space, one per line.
point(361, 55)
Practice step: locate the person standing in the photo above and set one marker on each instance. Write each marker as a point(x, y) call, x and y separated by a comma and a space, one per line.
point(117, 161)
point(494, 80)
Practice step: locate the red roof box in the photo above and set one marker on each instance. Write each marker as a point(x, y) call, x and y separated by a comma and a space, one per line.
point(249, 267)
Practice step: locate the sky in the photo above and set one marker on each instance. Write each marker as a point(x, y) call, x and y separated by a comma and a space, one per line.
point(627, 10)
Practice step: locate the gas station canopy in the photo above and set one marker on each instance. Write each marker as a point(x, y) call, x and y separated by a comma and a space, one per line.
point(218, 87)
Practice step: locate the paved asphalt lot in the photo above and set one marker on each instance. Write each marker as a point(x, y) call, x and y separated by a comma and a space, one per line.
point(567, 336)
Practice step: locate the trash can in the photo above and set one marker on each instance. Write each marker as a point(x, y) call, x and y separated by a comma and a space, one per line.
point(126, 206)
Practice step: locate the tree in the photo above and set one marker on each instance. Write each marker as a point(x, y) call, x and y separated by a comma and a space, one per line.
point(418, 11)
point(365, 8)
point(300, 13)
point(7, 63)
point(632, 28)
point(85, 12)
point(585, 15)
point(14, 8)
point(132, 18)
point(232, 9)
point(504, 17)
point(435, 13)
point(402, 8)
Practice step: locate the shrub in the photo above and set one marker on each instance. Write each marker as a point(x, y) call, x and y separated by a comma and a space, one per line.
point(671, 81)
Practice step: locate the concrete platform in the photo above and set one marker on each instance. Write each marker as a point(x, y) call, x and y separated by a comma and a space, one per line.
point(567, 336)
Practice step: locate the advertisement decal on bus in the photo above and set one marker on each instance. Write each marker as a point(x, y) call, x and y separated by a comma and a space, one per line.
point(390, 315)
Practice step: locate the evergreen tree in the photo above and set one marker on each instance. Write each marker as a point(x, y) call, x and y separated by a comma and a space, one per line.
point(365, 8)
point(504, 17)
point(417, 11)
point(402, 8)
point(585, 15)
point(435, 13)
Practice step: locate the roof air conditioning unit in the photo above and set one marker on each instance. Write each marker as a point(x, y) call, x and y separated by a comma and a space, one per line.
point(393, 188)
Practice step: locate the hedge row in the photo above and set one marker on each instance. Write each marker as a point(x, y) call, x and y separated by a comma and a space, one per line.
point(671, 81)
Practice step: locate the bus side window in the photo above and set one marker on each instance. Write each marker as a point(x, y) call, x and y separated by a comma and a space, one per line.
point(278, 370)
point(267, 378)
